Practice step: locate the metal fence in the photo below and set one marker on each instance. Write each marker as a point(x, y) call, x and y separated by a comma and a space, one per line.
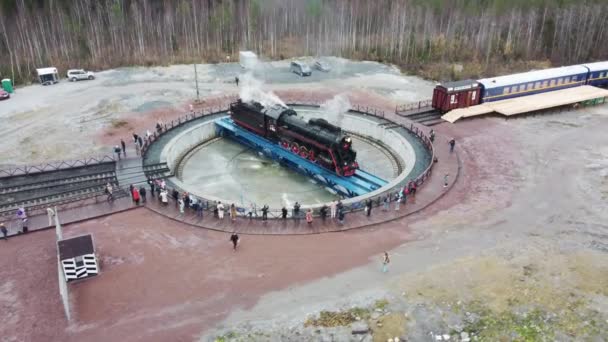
point(413, 106)
point(254, 211)
point(54, 166)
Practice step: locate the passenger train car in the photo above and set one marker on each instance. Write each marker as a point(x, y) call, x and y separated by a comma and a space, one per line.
point(465, 93)
point(316, 139)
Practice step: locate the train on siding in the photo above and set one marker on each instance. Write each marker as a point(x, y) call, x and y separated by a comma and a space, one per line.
point(467, 93)
point(316, 139)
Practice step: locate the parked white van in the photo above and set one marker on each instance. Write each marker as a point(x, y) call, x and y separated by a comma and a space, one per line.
point(300, 68)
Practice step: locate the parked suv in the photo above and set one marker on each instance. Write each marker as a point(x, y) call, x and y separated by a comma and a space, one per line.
point(300, 68)
point(79, 74)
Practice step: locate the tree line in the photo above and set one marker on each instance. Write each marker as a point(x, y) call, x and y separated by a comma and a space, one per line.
point(101, 34)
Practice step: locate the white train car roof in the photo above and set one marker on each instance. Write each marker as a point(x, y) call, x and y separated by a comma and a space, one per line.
point(532, 76)
point(598, 66)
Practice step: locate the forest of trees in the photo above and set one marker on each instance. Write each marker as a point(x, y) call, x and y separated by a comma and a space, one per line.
point(100, 34)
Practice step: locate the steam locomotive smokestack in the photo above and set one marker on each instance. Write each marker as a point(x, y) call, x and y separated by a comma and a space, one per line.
point(251, 89)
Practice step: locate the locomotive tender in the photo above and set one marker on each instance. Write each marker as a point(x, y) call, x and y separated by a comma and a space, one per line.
point(467, 93)
point(316, 140)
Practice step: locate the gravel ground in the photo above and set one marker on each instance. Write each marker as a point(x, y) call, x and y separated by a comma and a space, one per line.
point(515, 251)
point(71, 120)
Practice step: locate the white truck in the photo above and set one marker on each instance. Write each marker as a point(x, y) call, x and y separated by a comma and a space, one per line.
point(248, 59)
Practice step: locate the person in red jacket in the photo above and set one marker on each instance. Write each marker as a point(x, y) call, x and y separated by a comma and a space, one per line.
point(135, 195)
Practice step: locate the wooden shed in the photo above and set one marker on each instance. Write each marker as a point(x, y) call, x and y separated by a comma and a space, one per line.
point(459, 94)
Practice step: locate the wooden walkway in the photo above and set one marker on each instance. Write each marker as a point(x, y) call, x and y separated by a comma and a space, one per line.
point(529, 104)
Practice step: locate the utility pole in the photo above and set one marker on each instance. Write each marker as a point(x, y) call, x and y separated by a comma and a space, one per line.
point(198, 99)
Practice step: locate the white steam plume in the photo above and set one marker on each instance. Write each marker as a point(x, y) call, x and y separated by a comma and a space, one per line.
point(336, 107)
point(251, 89)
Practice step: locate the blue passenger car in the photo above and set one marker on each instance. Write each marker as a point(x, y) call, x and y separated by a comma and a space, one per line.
point(533, 82)
point(598, 74)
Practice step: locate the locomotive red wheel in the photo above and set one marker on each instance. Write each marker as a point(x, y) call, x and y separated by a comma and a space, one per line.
point(303, 152)
point(285, 144)
point(311, 155)
point(295, 148)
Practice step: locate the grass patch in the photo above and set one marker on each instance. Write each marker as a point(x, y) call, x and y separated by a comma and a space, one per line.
point(381, 304)
point(338, 318)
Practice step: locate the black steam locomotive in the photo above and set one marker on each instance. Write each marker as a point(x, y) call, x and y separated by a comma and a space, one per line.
point(317, 140)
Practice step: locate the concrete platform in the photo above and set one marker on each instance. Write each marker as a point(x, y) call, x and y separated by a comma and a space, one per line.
point(528, 104)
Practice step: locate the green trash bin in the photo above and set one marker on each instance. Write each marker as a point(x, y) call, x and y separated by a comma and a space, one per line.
point(7, 85)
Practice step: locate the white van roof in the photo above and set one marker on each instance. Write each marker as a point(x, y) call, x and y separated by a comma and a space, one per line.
point(46, 71)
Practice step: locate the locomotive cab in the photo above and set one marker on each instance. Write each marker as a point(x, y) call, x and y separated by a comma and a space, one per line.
point(349, 157)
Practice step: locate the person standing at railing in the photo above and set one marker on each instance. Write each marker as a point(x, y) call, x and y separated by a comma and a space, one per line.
point(284, 213)
point(368, 207)
point(164, 197)
point(151, 184)
point(265, 212)
point(199, 208)
point(4, 231)
point(296, 211)
point(180, 204)
point(124, 147)
point(397, 200)
point(142, 192)
point(309, 216)
point(432, 135)
point(135, 194)
point(323, 212)
point(385, 203)
point(332, 208)
point(220, 210)
point(233, 212)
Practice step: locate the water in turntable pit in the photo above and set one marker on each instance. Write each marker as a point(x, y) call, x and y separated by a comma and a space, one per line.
point(229, 170)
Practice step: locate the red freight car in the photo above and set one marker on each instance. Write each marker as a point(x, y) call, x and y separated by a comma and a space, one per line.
point(458, 94)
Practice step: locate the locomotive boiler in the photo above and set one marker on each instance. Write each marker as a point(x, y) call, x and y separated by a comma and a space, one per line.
point(316, 139)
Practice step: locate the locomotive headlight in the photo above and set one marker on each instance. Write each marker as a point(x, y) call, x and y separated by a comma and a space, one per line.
point(347, 139)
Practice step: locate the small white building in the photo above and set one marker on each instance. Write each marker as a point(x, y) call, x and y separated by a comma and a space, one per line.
point(248, 59)
point(77, 257)
point(48, 76)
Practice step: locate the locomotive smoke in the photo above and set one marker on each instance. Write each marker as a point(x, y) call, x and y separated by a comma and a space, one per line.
point(336, 107)
point(251, 89)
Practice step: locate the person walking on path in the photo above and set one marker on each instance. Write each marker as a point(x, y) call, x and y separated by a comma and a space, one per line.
point(24, 224)
point(265, 212)
point(284, 213)
point(385, 261)
point(4, 231)
point(124, 147)
point(135, 195)
point(452, 142)
point(296, 211)
point(432, 135)
point(117, 151)
point(332, 209)
point(220, 210)
point(180, 204)
point(385, 203)
point(309, 216)
point(175, 195)
point(142, 193)
point(445, 180)
point(236, 80)
point(233, 212)
point(234, 238)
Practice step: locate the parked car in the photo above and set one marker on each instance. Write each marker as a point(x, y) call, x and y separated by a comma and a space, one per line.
point(4, 95)
point(79, 74)
point(300, 68)
point(321, 66)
